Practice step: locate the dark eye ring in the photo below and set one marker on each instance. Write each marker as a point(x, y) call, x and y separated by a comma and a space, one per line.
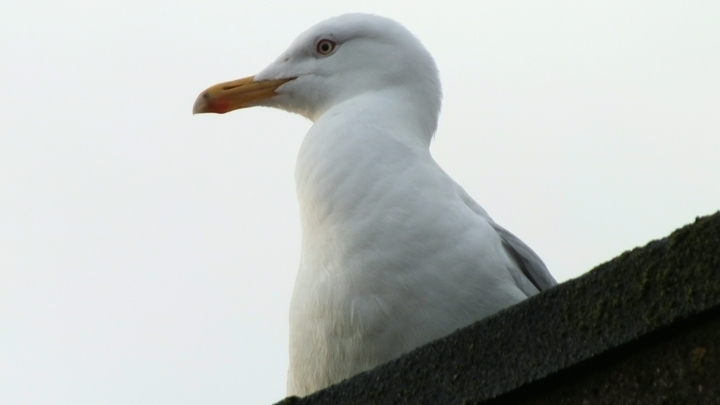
point(325, 47)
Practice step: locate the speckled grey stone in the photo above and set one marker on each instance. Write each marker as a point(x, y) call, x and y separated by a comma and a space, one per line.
point(550, 346)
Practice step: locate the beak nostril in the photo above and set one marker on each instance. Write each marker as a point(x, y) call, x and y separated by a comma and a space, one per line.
point(242, 93)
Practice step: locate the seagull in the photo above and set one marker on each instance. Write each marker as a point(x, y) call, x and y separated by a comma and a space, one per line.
point(394, 253)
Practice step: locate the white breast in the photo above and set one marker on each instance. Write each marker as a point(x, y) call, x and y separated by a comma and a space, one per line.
point(392, 257)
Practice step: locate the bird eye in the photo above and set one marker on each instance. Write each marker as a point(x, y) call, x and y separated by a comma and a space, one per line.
point(325, 47)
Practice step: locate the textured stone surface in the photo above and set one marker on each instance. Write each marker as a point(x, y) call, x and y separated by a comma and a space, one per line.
point(676, 365)
point(640, 295)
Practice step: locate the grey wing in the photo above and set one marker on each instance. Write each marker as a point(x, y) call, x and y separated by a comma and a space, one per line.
point(531, 275)
point(532, 267)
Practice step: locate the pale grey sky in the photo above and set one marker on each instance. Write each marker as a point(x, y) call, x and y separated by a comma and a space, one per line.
point(147, 255)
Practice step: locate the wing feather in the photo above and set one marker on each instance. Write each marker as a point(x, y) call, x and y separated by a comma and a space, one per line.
point(533, 276)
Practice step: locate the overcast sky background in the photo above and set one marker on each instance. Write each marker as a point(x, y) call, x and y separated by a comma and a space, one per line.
point(147, 256)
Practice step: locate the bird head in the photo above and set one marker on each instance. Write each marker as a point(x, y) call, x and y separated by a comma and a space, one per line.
point(338, 59)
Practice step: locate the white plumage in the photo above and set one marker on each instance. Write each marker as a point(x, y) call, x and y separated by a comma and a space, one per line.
point(394, 253)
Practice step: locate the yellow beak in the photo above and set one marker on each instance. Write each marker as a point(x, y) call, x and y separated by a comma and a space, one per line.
point(228, 96)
